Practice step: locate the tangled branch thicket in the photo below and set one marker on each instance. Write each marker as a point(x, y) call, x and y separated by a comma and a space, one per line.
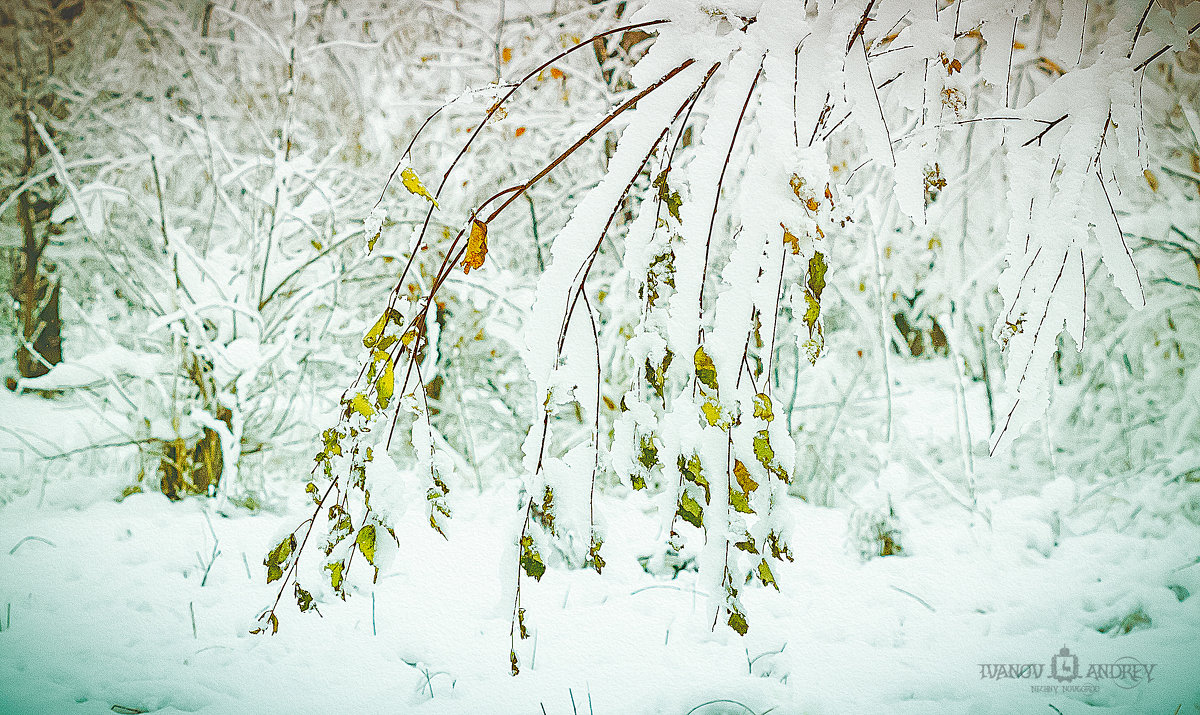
point(766, 169)
point(670, 252)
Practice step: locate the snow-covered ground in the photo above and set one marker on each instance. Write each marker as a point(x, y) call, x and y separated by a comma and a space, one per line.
point(108, 605)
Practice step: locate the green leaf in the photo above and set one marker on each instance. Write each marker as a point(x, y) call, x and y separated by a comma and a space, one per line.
point(531, 560)
point(762, 449)
point(333, 443)
point(812, 313)
point(654, 378)
point(816, 275)
point(661, 272)
point(691, 471)
point(762, 407)
point(690, 510)
point(366, 542)
point(706, 371)
point(648, 453)
point(594, 553)
point(657, 376)
point(544, 512)
point(779, 550)
point(812, 297)
point(341, 520)
point(285, 548)
point(670, 198)
point(765, 575)
point(304, 599)
point(766, 456)
point(740, 501)
point(278, 556)
point(747, 545)
point(738, 623)
point(813, 347)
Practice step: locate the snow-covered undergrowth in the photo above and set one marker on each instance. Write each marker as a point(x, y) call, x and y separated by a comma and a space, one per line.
point(104, 616)
point(716, 339)
point(147, 604)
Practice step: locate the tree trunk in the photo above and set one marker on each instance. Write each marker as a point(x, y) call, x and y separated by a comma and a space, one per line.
point(35, 288)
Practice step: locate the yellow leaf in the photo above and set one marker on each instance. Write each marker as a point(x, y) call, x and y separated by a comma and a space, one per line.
point(706, 371)
point(791, 240)
point(737, 622)
point(740, 501)
point(385, 385)
point(764, 571)
point(360, 405)
point(1151, 179)
point(366, 542)
point(797, 183)
point(413, 183)
point(476, 246)
point(376, 330)
point(742, 474)
point(762, 407)
point(1050, 67)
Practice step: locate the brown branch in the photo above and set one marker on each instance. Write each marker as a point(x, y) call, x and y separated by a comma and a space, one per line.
point(1043, 133)
point(591, 133)
point(1156, 55)
point(291, 572)
point(491, 112)
point(862, 25)
point(1138, 31)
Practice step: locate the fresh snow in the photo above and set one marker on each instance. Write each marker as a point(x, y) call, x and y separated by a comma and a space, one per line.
point(97, 601)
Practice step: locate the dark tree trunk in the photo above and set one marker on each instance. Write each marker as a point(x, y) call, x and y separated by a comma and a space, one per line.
point(35, 288)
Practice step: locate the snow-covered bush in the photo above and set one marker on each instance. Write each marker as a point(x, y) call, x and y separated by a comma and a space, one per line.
point(211, 219)
point(1124, 401)
point(214, 240)
point(768, 152)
